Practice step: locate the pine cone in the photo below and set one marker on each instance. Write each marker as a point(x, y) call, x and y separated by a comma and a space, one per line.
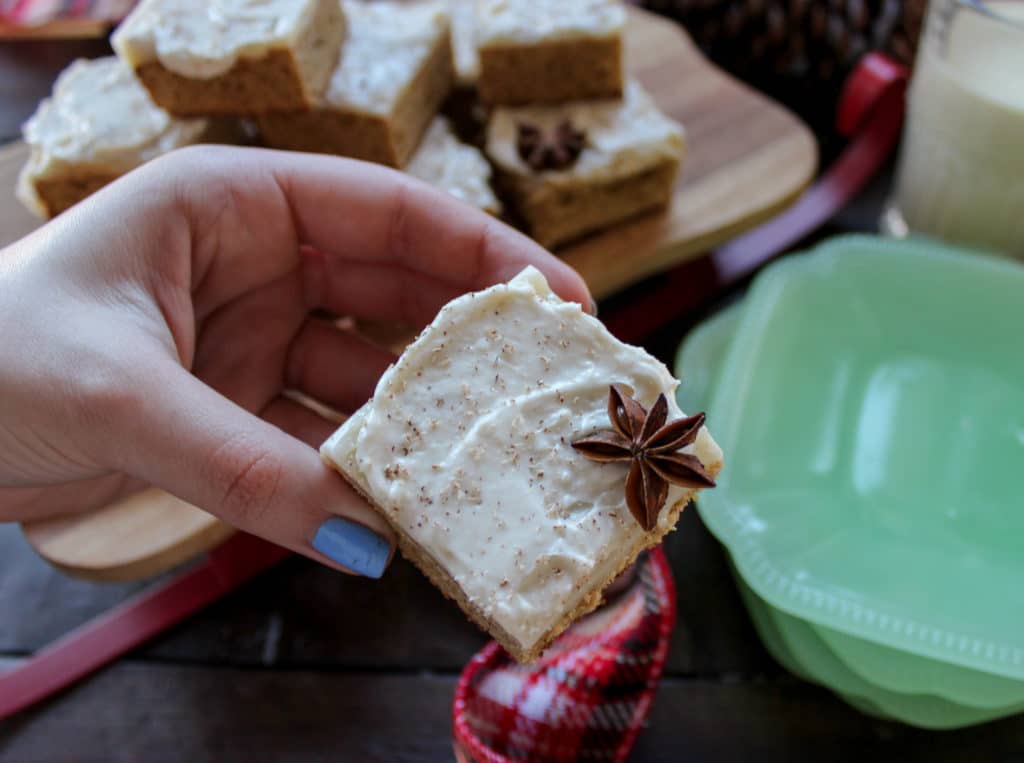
point(799, 50)
point(798, 37)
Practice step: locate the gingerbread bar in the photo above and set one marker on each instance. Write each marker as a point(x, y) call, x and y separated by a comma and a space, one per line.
point(549, 51)
point(524, 458)
point(395, 70)
point(453, 166)
point(239, 57)
point(98, 124)
point(467, 62)
point(578, 168)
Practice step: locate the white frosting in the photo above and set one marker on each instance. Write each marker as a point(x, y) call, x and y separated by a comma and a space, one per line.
point(99, 113)
point(467, 61)
point(532, 21)
point(453, 166)
point(622, 137)
point(202, 39)
point(388, 44)
point(99, 117)
point(466, 446)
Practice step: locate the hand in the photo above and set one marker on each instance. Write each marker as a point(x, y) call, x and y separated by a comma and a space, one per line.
point(148, 334)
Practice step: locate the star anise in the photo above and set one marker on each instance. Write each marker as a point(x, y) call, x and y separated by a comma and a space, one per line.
point(549, 150)
point(650, 445)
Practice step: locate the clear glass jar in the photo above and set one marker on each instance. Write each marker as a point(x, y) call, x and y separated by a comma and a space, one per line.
point(961, 170)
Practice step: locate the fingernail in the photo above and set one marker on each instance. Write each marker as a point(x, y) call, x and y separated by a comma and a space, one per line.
point(593, 307)
point(354, 546)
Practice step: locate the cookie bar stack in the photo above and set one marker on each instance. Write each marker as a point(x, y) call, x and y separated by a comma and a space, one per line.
point(539, 86)
point(577, 146)
point(363, 80)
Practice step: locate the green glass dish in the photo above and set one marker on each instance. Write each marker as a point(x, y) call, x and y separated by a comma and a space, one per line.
point(699, 358)
point(698, 363)
point(800, 649)
point(872, 413)
point(898, 671)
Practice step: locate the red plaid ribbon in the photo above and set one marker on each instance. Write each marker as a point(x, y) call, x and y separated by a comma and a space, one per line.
point(586, 698)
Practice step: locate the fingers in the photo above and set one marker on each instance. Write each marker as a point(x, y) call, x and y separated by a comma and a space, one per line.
point(81, 496)
point(387, 218)
point(380, 292)
point(334, 366)
point(242, 347)
point(251, 209)
point(36, 503)
point(299, 421)
point(196, 444)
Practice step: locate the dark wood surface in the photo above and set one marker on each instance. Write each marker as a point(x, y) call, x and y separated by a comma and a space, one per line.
point(304, 664)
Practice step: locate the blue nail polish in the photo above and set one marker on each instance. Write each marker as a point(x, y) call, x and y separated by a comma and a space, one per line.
point(352, 545)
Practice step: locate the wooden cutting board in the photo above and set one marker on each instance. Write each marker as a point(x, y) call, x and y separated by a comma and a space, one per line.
point(747, 159)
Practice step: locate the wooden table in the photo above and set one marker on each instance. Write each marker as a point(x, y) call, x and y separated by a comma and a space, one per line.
point(304, 664)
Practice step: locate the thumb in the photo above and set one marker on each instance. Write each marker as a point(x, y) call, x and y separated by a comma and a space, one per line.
point(193, 442)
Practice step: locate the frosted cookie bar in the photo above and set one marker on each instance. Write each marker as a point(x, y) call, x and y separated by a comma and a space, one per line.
point(242, 57)
point(98, 124)
point(478, 447)
point(395, 70)
point(577, 168)
point(467, 62)
point(453, 166)
point(549, 51)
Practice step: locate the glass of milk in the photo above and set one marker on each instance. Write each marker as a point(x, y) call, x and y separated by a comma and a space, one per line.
point(961, 171)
